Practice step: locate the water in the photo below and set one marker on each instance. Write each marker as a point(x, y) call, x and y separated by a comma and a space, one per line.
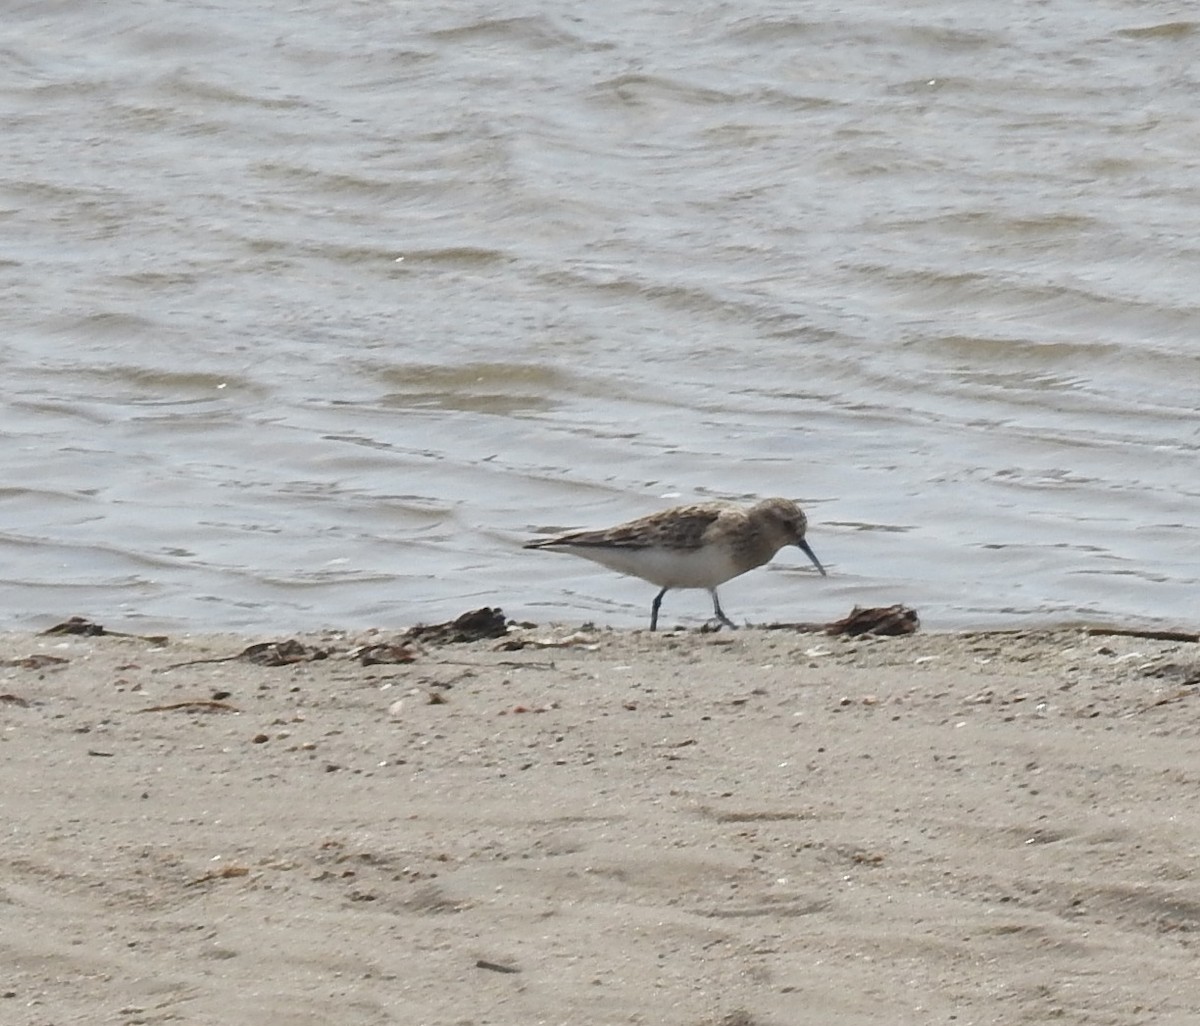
point(312, 313)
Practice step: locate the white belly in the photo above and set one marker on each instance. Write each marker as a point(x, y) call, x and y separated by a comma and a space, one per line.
point(668, 568)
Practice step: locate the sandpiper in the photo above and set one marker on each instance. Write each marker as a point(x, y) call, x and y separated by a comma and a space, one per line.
point(697, 546)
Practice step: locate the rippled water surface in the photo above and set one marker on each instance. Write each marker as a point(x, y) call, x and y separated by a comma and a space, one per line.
point(312, 313)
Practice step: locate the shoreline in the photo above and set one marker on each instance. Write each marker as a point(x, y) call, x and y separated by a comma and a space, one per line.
point(751, 828)
point(1154, 629)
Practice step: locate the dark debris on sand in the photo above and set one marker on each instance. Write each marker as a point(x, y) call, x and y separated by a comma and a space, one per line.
point(477, 625)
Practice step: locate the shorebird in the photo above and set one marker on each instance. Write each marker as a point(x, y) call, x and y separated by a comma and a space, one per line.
point(698, 546)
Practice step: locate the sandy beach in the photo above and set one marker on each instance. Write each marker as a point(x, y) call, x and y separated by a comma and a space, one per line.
point(566, 826)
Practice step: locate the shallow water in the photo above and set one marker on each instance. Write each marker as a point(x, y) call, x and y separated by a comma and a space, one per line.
point(314, 314)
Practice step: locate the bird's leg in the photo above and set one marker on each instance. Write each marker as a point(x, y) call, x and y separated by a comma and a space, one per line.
point(721, 612)
point(654, 609)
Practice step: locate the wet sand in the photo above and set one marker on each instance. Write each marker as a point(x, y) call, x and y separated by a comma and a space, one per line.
point(759, 828)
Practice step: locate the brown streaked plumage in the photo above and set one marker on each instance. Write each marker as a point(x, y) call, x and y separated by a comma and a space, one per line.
point(698, 546)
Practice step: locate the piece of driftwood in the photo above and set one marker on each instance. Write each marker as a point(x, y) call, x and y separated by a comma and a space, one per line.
point(883, 620)
point(476, 625)
point(195, 705)
point(263, 653)
point(89, 629)
point(1150, 633)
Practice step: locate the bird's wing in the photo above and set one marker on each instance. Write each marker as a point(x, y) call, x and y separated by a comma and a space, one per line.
point(682, 528)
